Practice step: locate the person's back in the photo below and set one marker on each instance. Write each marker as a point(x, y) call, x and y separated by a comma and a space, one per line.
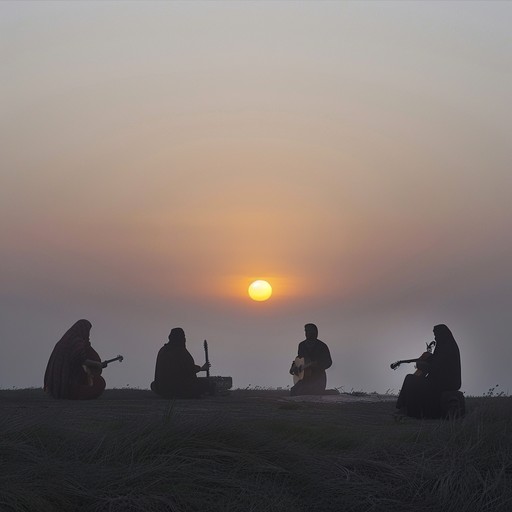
point(444, 369)
point(66, 376)
point(175, 370)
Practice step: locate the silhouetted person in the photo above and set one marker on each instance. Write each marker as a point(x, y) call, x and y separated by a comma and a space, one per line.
point(420, 396)
point(317, 359)
point(74, 368)
point(176, 372)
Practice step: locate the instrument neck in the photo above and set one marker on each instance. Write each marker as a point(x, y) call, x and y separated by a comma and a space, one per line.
point(206, 358)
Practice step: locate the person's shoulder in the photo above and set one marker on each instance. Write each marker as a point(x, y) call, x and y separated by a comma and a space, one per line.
point(163, 349)
point(322, 343)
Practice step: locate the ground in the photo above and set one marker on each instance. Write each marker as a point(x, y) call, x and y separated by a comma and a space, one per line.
point(250, 450)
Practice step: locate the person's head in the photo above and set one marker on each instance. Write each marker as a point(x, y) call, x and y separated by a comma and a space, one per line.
point(442, 333)
point(80, 329)
point(311, 331)
point(177, 335)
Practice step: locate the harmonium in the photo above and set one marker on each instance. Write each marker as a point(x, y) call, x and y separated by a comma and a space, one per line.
point(222, 384)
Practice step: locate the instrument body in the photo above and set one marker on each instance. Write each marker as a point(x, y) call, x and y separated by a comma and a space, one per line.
point(92, 371)
point(423, 357)
point(301, 368)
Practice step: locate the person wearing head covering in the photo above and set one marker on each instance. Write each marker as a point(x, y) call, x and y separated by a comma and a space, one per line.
point(176, 372)
point(420, 396)
point(317, 359)
point(74, 368)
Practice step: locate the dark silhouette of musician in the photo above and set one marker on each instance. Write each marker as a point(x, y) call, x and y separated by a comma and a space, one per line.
point(176, 372)
point(437, 379)
point(312, 360)
point(74, 368)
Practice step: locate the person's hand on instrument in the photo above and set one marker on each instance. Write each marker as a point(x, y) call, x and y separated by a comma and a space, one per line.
point(94, 366)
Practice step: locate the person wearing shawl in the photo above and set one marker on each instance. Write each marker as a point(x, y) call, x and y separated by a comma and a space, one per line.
point(176, 372)
point(74, 368)
point(318, 358)
point(420, 396)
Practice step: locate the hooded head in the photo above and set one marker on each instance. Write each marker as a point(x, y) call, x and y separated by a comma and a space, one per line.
point(311, 331)
point(177, 337)
point(443, 335)
point(81, 329)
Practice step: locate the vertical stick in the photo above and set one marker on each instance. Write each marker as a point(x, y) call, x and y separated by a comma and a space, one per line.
point(206, 357)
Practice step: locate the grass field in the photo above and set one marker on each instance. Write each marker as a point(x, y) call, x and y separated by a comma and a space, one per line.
point(249, 451)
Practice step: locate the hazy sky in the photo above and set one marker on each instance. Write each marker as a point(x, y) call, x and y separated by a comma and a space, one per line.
point(159, 156)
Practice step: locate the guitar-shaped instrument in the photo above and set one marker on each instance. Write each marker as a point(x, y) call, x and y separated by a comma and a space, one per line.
point(91, 371)
point(423, 357)
point(301, 368)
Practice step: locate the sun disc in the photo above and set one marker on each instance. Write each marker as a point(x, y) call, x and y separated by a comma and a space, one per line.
point(260, 290)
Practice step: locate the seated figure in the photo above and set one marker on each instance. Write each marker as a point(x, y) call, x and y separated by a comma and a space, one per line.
point(430, 393)
point(176, 372)
point(74, 368)
point(315, 358)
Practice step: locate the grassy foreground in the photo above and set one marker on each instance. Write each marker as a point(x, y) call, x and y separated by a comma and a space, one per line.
point(250, 451)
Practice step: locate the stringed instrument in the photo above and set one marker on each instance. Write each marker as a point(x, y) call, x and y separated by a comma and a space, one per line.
point(423, 357)
point(206, 357)
point(91, 371)
point(301, 368)
point(222, 384)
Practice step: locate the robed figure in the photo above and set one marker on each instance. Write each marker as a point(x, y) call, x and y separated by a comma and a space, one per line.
point(316, 358)
point(440, 373)
point(176, 371)
point(74, 368)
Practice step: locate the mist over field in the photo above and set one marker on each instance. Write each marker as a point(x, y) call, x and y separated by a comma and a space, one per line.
point(159, 156)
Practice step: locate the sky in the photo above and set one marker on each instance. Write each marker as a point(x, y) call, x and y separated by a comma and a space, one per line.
point(157, 157)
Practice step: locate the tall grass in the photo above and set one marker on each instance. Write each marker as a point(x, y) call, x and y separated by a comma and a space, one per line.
point(226, 456)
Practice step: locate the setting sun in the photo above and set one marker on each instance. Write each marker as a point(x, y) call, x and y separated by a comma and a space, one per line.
point(260, 290)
